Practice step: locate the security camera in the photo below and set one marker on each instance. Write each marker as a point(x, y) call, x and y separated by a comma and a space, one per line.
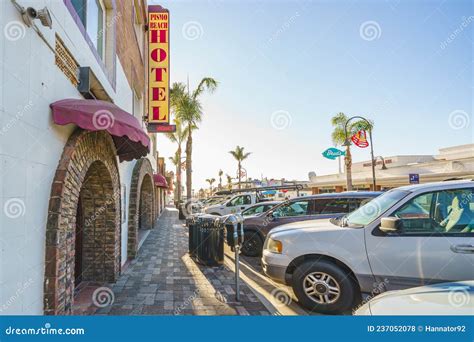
point(30, 14)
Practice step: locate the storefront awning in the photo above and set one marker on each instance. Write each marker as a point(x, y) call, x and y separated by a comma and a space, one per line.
point(131, 141)
point(160, 180)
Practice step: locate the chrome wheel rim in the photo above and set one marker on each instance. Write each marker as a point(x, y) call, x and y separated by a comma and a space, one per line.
point(321, 288)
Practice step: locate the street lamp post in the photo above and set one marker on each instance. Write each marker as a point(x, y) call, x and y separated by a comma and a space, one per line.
point(384, 167)
point(348, 143)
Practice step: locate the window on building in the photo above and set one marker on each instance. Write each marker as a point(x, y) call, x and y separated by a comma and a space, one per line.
point(92, 14)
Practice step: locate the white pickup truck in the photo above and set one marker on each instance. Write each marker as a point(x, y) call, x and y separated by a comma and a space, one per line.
point(233, 205)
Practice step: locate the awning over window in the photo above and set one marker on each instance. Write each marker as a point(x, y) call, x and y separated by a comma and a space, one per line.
point(160, 180)
point(130, 139)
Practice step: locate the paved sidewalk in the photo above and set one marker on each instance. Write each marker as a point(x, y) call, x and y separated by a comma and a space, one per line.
point(163, 280)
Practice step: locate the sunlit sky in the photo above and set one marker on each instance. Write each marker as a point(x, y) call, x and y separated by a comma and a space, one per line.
point(406, 65)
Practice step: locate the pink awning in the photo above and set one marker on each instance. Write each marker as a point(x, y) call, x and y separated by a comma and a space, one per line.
point(131, 141)
point(160, 180)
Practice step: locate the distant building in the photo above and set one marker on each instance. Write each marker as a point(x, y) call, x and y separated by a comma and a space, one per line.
point(450, 162)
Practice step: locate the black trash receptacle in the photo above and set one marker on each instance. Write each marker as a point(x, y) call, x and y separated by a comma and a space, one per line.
point(193, 235)
point(210, 241)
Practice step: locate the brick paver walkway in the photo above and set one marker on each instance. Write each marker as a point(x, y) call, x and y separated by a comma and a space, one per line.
point(163, 280)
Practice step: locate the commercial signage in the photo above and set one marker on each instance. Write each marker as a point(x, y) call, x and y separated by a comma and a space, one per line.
point(158, 68)
point(161, 128)
point(333, 153)
point(360, 139)
point(414, 178)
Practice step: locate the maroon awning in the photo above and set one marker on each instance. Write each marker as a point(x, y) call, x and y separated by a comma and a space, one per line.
point(160, 180)
point(130, 139)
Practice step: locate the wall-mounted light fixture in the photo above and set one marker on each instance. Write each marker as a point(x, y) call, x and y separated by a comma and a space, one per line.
point(30, 14)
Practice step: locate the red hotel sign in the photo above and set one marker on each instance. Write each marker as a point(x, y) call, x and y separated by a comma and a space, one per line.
point(158, 66)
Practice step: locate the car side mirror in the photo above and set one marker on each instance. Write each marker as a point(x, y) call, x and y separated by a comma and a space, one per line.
point(390, 225)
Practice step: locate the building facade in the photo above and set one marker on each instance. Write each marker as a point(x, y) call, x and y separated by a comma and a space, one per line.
point(394, 171)
point(81, 180)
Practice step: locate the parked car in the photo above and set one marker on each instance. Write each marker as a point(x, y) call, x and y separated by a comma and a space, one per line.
point(440, 299)
point(259, 208)
point(300, 209)
point(330, 262)
point(235, 204)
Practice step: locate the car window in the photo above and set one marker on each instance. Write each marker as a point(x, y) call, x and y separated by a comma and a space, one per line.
point(355, 203)
point(268, 207)
point(336, 205)
point(236, 201)
point(240, 200)
point(254, 210)
point(373, 209)
point(295, 208)
point(447, 212)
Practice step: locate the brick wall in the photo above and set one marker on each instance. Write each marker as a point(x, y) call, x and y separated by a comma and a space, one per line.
point(87, 168)
point(142, 172)
point(128, 50)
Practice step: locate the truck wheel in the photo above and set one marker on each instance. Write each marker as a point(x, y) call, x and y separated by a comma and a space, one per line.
point(324, 287)
point(252, 245)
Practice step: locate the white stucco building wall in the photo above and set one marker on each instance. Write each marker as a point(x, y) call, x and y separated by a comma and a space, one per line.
point(31, 144)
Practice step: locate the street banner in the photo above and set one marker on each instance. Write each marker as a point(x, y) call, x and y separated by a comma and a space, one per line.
point(332, 153)
point(360, 139)
point(158, 67)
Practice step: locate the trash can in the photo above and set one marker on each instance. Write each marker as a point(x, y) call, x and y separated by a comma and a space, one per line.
point(210, 240)
point(193, 235)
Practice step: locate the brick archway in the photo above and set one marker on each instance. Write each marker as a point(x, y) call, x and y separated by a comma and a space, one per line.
point(87, 174)
point(141, 195)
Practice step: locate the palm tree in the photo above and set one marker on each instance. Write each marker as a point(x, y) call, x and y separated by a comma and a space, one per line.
point(220, 173)
point(178, 137)
point(338, 136)
point(239, 155)
point(188, 109)
point(229, 182)
point(175, 161)
point(210, 181)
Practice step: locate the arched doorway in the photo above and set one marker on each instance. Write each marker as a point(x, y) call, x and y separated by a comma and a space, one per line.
point(94, 223)
point(145, 210)
point(142, 212)
point(83, 227)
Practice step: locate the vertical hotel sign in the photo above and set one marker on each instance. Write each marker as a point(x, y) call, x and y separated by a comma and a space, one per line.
point(158, 67)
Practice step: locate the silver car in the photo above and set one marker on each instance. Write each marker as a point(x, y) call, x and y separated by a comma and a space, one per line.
point(409, 236)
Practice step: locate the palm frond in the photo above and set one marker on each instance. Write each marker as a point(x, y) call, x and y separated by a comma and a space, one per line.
point(207, 83)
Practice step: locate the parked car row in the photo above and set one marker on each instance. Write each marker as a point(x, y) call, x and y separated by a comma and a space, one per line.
point(299, 209)
point(416, 235)
point(332, 249)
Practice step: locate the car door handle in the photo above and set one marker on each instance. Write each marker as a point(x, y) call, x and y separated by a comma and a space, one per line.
point(465, 249)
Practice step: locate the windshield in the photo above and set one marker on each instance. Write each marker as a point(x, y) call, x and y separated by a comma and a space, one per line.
point(373, 209)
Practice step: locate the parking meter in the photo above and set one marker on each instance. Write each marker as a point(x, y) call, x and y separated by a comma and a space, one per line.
point(234, 224)
point(234, 230)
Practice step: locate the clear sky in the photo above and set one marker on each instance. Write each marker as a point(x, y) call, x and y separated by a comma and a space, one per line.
point(407, 65)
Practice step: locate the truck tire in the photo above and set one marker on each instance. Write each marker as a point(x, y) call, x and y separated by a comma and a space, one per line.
point(324, 287)
point(252, 245)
